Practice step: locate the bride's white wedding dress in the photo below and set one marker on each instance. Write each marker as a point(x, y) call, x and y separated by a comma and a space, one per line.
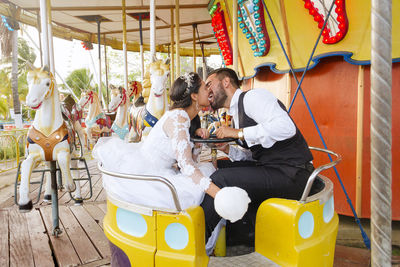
point(167, 144)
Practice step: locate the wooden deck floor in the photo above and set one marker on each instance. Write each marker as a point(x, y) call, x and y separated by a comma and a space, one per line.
point(82, 242)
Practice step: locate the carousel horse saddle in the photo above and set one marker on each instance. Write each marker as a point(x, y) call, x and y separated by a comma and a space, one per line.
point(47, 143)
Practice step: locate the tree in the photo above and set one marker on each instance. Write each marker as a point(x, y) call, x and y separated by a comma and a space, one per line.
point(80, 80)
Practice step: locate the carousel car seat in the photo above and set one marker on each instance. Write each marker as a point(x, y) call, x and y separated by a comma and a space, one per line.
point(288, 232)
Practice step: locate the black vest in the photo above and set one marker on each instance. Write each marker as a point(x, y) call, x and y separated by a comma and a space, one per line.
point(286, 155)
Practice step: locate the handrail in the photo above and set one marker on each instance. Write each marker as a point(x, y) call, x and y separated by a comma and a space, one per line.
point(315, 173)
point(145, 178)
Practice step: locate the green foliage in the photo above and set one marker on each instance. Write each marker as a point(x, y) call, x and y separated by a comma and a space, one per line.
point(26, 55)
point(80, 80)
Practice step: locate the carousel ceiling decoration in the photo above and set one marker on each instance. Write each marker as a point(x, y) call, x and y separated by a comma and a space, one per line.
point(337, 25)
point(252, 23)
point(221, 33)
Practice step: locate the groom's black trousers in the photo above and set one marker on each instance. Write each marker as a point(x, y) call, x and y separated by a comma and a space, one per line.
point(260, 183)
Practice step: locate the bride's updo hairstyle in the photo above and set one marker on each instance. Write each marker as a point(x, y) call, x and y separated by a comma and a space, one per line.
point(182, 89)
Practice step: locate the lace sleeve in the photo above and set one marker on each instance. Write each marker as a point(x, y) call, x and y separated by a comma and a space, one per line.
point(177, 129)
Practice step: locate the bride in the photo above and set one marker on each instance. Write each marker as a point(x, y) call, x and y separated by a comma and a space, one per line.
point(168, 145)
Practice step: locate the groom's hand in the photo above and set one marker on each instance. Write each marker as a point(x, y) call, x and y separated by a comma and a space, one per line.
point(225, 132)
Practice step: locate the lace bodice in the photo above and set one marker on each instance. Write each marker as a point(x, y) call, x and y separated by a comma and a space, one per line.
point(169, 143)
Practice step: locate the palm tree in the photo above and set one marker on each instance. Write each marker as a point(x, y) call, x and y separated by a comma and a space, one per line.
point(7, 42)
point(80, 80)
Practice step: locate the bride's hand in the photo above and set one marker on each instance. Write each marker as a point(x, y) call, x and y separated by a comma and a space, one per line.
point(203, 133)
point(231, 203)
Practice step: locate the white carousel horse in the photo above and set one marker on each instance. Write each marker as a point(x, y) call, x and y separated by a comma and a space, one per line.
point(120, 103)
point(48, 138)
point(74, 113)
point(96, 121)
point(144, 117)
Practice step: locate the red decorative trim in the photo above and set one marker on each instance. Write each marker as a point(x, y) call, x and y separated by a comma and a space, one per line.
point(343, 26)
point(221, 34)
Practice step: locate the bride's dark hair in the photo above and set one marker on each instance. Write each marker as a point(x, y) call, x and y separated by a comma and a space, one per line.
point(182, 89)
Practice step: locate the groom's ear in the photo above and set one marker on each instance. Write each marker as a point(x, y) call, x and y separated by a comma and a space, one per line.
point(226, 81)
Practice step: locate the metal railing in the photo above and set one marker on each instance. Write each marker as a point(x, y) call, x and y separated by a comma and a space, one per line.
point(12, 148)
point(315, 173)
point(152, 178)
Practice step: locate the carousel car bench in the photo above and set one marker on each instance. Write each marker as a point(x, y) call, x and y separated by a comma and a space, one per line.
point(288, 232)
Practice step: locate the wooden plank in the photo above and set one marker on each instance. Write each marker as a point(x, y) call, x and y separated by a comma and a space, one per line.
point(103, 262)
point(93, 230)
point(97, 186)
point(34, 189)
point(102, 196)
point(4, 256)
point(96, 183)
point(20, 245)
point(103, 207)
point(96, 213)
point(62, 247)
point(40, 242)
point(82, 244)
point(85, 189)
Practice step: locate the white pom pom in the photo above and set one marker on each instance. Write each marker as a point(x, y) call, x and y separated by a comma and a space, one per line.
point(231, 203)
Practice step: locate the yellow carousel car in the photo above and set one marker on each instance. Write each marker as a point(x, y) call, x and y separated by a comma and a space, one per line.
point(288, 232)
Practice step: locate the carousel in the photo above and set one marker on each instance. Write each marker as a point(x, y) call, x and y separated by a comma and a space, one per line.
point(332, 63)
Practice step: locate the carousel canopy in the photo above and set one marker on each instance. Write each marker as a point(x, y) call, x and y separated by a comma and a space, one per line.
point(78, 20)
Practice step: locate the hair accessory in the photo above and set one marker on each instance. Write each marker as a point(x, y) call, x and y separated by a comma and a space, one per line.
point(188, 78)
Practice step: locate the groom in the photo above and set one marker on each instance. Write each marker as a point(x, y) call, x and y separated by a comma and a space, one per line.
point(273, 160)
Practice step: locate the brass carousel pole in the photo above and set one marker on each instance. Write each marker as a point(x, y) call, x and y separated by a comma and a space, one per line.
point(141, 49)
point(194, 47)
point(178, 40)
point(172, 74)
point(381, 132)
point(235, 35)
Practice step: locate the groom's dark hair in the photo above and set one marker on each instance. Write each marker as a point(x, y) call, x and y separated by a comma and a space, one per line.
point(226, 72)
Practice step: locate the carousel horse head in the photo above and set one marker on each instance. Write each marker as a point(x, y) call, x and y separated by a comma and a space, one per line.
point(87, 97)
point(118, 97)
point(159, 72)
point(134, 89)
point(41, 85)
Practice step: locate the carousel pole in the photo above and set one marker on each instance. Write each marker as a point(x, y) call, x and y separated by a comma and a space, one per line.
point(172, 49)
point(235, 35)
point(381, 132)
point(124, 44)
point(178, 40)
point(45, 38)
point(98, 21)
point(141, 48)
point(152, 30)
point(44, 11)
point(106, 69)
point(39, 28)
point(50, 36)
point(194, 47)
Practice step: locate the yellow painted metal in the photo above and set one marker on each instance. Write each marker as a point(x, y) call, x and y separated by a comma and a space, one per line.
point(278, 238)
point(10, 143)
point(220, 246)
point(194, 254)
point(302, 32)
point(140, 250)
point(152, 249)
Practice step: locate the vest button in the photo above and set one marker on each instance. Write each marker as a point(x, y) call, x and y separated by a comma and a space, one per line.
point(37, 138)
